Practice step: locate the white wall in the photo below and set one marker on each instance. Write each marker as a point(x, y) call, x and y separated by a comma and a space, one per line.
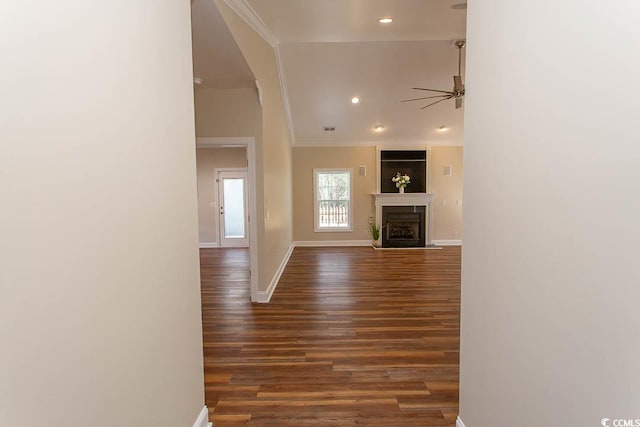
point(550, 278)
point(99, 277)
point(227, 112)
point(447, 212)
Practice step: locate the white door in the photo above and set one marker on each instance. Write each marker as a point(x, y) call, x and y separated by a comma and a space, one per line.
point(232, 208)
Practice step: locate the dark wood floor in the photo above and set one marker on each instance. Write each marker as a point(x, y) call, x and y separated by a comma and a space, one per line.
point(352, 336)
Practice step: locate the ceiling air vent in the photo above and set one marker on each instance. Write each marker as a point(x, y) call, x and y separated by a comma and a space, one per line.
point(329, 128)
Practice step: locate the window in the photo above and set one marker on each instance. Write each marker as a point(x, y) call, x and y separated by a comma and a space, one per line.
point(332, 199)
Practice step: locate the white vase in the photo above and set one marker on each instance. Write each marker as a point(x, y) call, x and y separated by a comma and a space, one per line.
point(401, 190)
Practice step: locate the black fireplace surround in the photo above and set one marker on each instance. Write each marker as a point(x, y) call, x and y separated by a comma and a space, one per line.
point(403, 226)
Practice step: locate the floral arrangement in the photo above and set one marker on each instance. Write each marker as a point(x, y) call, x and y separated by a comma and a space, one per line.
point(401, 180)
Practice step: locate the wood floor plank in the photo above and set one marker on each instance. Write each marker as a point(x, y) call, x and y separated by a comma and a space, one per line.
point(352, 337)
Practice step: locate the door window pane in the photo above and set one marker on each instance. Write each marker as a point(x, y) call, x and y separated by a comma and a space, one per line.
point(233, 207)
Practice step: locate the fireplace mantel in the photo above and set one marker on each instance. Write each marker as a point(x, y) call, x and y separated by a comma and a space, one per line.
point(407, 199)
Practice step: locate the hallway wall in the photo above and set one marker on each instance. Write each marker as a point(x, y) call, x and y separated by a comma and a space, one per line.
point(100, 320)
point(550, 285)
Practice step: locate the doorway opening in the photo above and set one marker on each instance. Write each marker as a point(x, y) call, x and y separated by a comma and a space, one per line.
point(234, 229)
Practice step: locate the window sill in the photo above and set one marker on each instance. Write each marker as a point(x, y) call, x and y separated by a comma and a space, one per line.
point(333, 230)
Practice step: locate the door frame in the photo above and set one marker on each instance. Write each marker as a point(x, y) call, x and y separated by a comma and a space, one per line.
point(247, 217)
point(249, 143)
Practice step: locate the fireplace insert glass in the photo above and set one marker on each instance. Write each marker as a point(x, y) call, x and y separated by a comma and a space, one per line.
point(403, 226)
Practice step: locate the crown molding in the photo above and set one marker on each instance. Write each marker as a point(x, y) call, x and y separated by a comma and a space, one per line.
point(285, 96)
point(390, 144)
point(223, 141)
point(246, 12)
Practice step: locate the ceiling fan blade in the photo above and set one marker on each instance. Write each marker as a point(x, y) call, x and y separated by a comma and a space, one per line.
point(434, 90)
point(457, 83)
point(458, 102)
point(424, 97)
point(434, 103)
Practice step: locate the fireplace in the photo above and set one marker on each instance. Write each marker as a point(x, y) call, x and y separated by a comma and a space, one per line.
point(411, 219)
point(403, 226)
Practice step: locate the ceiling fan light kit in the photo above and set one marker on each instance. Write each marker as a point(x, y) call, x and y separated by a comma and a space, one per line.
point(458, 91)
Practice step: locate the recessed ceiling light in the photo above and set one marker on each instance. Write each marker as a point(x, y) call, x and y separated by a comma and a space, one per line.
point(378, 128)
point(442, 128)
point(355, 100)
point(459, 6)
point(385, 20)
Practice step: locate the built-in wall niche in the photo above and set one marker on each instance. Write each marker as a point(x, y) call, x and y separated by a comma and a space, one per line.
point(407, 162)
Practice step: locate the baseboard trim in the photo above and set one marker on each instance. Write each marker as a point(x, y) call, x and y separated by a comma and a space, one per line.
point(447, 242)
point(208, 245)
point(420, 248)
point(459, 422)
point(265, 296)
point(328, 243)
point(203, 419)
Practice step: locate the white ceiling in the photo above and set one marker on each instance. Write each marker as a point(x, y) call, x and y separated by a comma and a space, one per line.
point(332, 50)
point(216, 57)
point(294, 21)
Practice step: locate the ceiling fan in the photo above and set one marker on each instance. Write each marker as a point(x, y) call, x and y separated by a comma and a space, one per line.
point(458, 88)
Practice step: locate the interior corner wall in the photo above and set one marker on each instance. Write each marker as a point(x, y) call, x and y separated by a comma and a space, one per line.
point(273, 150)
point(100, 317)
point(208, 160)
point(550, 277)
point(305, 160)
point(447, 207)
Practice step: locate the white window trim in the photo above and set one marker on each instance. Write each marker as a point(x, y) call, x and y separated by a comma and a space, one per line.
point(316, 227)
